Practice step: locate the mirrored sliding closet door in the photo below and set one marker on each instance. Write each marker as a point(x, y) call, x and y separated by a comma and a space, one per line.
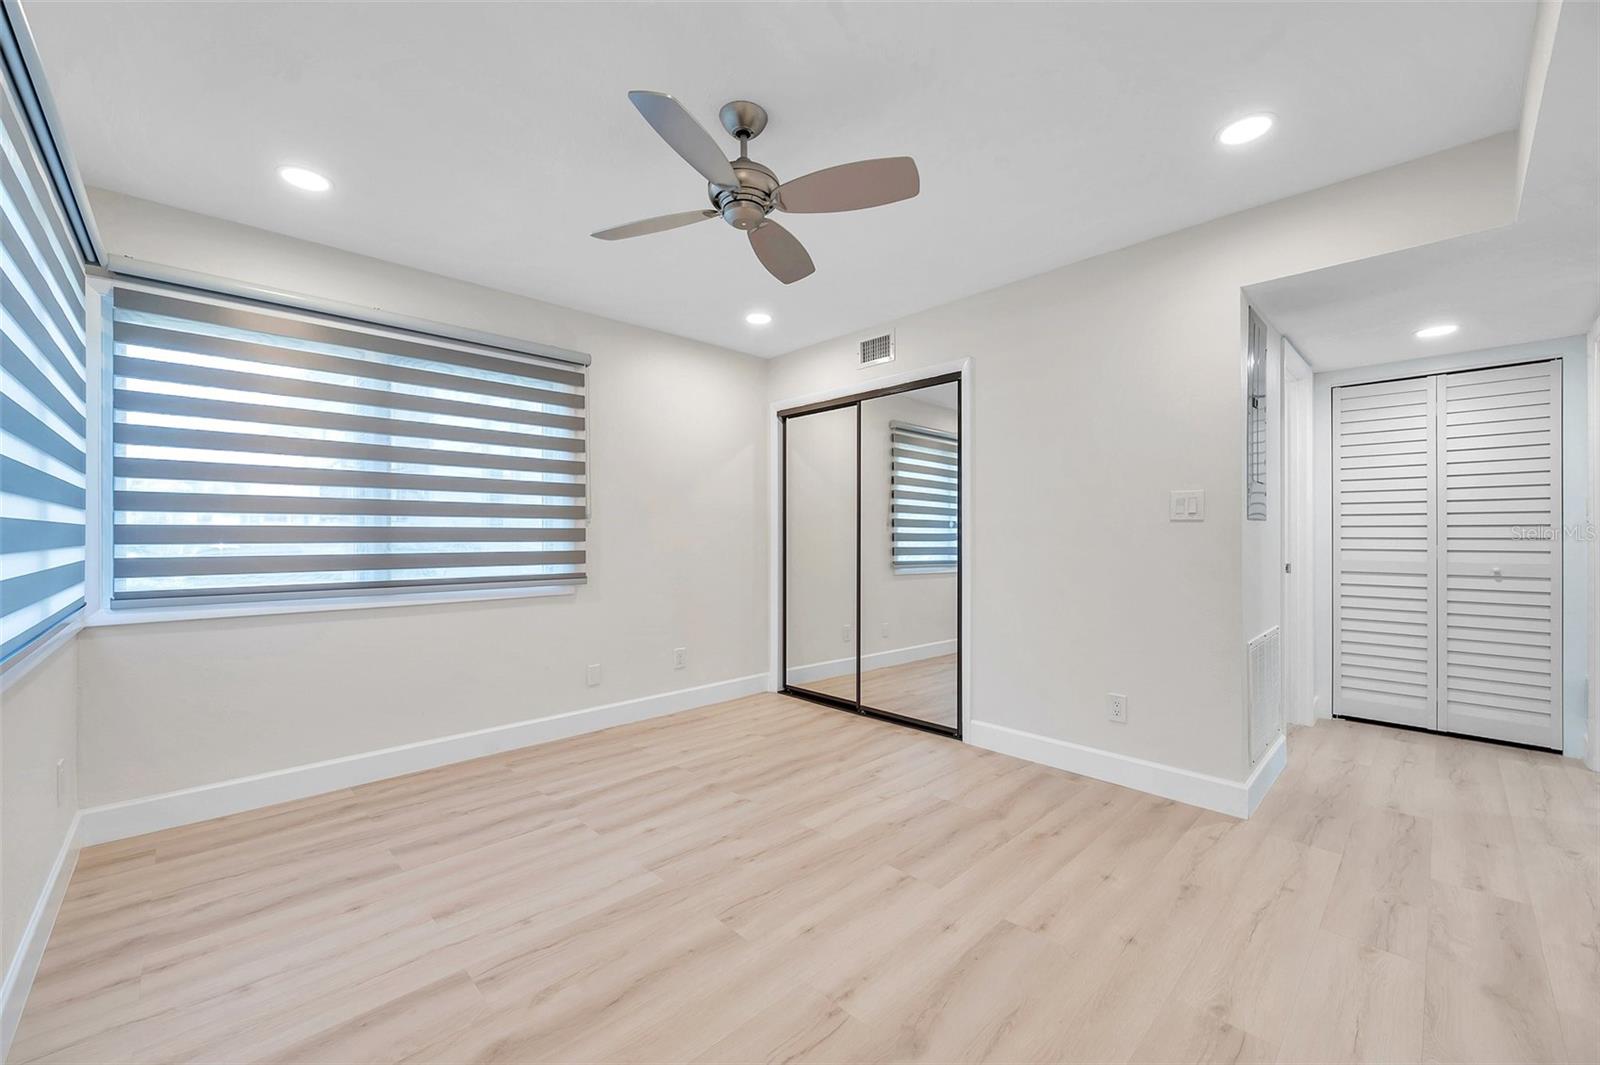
point(820, 553)
point(910, 543)
point(872, 554)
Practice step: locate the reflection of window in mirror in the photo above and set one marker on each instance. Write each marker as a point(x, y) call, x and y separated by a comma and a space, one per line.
point(924, 467)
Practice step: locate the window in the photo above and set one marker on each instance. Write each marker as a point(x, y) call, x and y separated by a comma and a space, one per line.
point(42, 395)
point(924, 503)
point(259, 453)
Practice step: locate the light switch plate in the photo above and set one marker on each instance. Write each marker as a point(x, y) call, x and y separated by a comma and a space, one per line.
point(1187, 504)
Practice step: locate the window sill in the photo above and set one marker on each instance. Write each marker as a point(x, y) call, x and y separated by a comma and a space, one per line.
point(201, 612)
point(41, 650)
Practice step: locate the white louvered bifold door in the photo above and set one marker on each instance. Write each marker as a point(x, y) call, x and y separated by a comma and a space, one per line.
point(1385, 552)
point(1500, 676)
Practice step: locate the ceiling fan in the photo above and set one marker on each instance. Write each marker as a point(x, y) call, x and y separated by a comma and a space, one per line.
point(744, 192)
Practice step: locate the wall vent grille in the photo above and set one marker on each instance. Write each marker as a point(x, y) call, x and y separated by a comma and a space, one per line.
point(1266, 692)
point(877, 349)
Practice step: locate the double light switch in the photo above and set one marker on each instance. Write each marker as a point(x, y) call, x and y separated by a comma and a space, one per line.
point(1188, 504)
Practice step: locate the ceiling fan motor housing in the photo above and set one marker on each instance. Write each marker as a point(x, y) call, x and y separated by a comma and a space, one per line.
point(747, 205)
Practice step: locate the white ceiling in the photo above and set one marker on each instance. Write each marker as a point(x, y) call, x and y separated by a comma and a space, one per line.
point(486, 142)
point(1536, 279)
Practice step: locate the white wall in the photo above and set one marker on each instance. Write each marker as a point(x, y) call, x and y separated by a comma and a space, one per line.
point(677, 557)
point(38, 728)
point(1576, 452)
point(1097, 389)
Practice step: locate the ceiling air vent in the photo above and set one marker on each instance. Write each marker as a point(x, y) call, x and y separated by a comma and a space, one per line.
point(877, 349)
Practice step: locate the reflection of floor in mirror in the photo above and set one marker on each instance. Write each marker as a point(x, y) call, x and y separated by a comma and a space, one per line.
point(924, 689)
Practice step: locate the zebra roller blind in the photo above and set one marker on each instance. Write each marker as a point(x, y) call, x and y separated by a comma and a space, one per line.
point(260, 453)
point(924, 502)
point(42, 396)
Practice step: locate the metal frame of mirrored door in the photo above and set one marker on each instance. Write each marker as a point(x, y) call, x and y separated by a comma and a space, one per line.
point(855, 705)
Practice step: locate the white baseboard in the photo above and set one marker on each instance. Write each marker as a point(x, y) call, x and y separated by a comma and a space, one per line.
point(153, 813)
point(30, 947)
point(1234, 797)
point(877, 660)
point(1265, 774)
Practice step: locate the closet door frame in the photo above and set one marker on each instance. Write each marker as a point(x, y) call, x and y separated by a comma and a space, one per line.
point(855, 706)
point(1438, 543)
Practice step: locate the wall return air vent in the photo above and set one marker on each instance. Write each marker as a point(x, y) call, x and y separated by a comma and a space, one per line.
point(877, 349)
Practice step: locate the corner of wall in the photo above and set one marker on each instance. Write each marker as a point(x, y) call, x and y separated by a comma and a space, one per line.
point(38, 827)
point(1544, 39)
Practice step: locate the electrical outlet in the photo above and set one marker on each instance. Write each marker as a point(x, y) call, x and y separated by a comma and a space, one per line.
point(61, 780)
point(847, 634)
point(883, 630)
point(591, 676)
point(680, 657)
point(1117, 707)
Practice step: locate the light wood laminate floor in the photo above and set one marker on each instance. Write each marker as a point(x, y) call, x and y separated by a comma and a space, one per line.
point(769, 880)
point(924, 689)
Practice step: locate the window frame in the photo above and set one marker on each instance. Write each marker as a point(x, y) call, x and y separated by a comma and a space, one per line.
point(27, 103)
point(100, 509)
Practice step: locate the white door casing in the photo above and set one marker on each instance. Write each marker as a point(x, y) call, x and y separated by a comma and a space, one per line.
point(1298, 551)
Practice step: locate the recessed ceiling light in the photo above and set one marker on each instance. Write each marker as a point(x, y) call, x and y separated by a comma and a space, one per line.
point(758, 318)
point(301, 178)
point(1245, 130)
point(1432, 332)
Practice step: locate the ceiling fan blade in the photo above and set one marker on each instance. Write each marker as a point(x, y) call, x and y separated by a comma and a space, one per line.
point(780, 252)
point(658, 224)
point(684, 135)
point(851, 186)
